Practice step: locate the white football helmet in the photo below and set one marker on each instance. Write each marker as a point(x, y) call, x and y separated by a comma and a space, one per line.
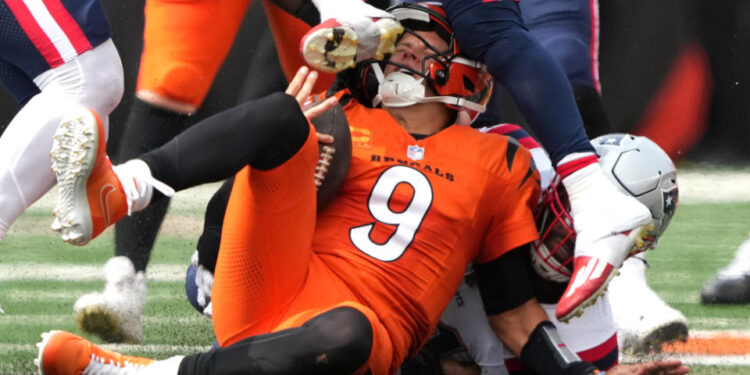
point(637, 166)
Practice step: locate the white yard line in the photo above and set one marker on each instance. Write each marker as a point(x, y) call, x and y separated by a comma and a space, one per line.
point(149, 348)
point(73, 294)
point(190, 199)
point(59, 319)
point(75, 272)
point(696, 186)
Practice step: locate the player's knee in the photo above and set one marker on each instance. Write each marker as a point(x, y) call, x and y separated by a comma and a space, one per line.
point(502, 50)
point(286, 120)
point(347, 334)
point(176, 83)
point(572, 53)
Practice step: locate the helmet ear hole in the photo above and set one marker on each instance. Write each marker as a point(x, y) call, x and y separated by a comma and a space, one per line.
point(441, 77)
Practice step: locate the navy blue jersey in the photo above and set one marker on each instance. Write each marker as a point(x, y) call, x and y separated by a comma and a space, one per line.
point(40, 35)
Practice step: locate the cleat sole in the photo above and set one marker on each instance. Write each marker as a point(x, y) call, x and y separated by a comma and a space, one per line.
point(102, 322)
point(73, 156)
point(578, 311)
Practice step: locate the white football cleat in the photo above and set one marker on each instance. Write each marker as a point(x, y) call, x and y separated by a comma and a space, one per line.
point(337, 44)
point(92, 193)
point(90, 196)
point(115, 314)
point(644, 321)
point(610, 226)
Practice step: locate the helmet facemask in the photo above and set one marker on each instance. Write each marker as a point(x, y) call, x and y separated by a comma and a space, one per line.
point(460, 83)
point(552, 253)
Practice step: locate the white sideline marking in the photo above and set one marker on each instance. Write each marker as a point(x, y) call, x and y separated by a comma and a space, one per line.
point(694, 360)
point(76, 272)
point(704, 186)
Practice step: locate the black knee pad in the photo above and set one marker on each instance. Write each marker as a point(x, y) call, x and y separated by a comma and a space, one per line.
point(346, 335)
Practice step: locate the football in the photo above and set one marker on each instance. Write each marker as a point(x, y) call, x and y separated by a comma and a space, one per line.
point(334, 158)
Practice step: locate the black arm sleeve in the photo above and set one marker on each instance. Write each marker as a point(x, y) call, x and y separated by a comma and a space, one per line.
point(546, 354)
point(504, 282)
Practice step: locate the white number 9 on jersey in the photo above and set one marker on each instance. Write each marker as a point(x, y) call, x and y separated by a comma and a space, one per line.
point(407, 222)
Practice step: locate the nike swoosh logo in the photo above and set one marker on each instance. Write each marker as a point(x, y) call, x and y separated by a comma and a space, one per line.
point(104, 192)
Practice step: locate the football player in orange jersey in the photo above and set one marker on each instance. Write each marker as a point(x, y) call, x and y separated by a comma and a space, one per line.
point(185, 43)
point(358, 287)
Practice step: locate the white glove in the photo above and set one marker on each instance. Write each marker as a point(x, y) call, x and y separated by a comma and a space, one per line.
point(1, 311)
point(204, 279)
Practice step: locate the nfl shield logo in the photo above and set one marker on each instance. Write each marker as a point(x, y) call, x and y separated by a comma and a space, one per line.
point(415, 152)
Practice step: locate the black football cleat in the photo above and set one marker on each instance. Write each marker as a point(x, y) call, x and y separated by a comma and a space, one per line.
point(727, 290)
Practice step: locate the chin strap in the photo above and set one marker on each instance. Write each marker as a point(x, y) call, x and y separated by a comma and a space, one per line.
point(401, 89)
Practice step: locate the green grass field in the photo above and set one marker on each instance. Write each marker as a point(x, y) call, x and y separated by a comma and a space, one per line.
point(701, 239)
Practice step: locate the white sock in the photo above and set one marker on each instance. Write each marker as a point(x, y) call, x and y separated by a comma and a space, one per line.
point(138, 183)
point(169, 366)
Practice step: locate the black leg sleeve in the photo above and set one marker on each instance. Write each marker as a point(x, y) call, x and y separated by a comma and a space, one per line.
point(335, 342)
point(147, 128)
point(135, 235)
point(263, 133)
point(591, 107)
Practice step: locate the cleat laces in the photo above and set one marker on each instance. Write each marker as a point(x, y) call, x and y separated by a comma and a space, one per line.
point(138, 184)
point(99, 366)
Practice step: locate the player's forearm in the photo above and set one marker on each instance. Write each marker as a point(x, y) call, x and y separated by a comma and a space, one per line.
point(513, 327)
point(528, 334)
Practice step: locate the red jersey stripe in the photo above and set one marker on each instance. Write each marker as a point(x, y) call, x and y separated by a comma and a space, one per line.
point(35, 33)
point(594, 9)
point(68, 25)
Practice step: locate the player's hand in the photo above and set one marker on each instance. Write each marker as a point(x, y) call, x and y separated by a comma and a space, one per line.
point(666, 367)
point(301, 88)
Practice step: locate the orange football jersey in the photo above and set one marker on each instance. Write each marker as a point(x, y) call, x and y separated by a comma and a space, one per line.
point(412, 214)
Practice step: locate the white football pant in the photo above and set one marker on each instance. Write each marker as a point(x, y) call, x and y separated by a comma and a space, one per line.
point(95, 80)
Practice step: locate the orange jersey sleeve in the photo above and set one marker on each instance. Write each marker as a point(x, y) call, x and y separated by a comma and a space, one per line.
point(516, 197)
